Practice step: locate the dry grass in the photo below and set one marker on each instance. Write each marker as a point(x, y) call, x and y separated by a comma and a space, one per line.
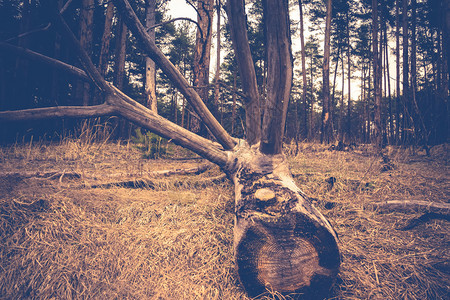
point(175, 241)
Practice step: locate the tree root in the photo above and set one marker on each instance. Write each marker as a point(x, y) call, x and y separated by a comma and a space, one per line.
point(412, 206)
point(423, 219)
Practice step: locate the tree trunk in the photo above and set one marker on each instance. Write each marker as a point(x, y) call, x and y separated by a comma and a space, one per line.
point(279, 76)
point(446, 35)
point(349, 80)
point(218, 46)
point(238, 28)
point(303, 57)
point(311, 104)
point(397, 63)
point(202, 53)
point(106, 40)
point(233, 111)
point(377, 78)
point(327, 133)
point(86, 24)
point(119, 71)
point(405, 125)
point(150, 67)
point(341, 106)
point(281, 242)
point(391, 118)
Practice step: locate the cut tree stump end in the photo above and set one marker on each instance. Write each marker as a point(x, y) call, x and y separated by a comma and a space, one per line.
point(292, 255)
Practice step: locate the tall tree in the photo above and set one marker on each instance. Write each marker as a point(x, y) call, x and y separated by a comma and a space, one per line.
point(397, 73)
point(303, 58)
point(202, 52)
point(349, 79)
point(405, 131)
point(106, 39)
point(150, 67)
point(327, 129)
point(376, 78)
point(241, 46)
point(86, 28)
point(218, 49)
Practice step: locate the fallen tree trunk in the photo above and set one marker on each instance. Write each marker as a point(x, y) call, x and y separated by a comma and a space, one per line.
point(281, 241)
point(58, 174)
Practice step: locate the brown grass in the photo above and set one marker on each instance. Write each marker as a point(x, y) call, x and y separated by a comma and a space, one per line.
point(62, 241)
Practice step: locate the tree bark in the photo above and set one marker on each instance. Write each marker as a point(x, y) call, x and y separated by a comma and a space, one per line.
point(281, 242)
point(106, 40)
point(303, 57)
point(218, 49)
point(86, 24)
point(446, 35)
point(405, 70)
point(120, 52)
point(238, 28)
point(349, 80)
point(202, 53)
point(279, 75)
point(397, 64)
point(327, 132)
point(150, 66)
point(377, 78)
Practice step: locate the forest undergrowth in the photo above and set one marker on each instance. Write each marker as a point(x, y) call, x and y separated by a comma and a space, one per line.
point(72, 227)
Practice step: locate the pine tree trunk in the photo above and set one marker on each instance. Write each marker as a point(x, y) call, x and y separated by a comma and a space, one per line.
point(327, 133)
point(86, 24)
point(391, 118)
point(150, 67)
point(303, 57)
point(311, 105)
point(106, 40)
point(397, 63)
point(349, 77)
point(238, 29)
point(202, 54)
point(405, 134)
point(233, 111)
point(119, 70)
point(218, 49)
point(377, 78)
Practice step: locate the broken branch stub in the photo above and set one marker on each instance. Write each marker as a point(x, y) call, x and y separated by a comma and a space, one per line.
point(281, 241)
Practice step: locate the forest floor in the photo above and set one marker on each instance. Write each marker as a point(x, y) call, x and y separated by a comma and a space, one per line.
point(83, 220)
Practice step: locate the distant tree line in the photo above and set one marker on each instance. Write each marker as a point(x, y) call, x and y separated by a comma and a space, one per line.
point(409, 109)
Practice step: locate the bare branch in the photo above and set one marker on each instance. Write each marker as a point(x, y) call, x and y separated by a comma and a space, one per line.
point(119, 104)
point(91, 70)
point(57, 112)
point(42, 28)
point(412, 205)
point(65, 7)
point(173, 74)
point(139, 114)
point(44, 59)
point(177, 19)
